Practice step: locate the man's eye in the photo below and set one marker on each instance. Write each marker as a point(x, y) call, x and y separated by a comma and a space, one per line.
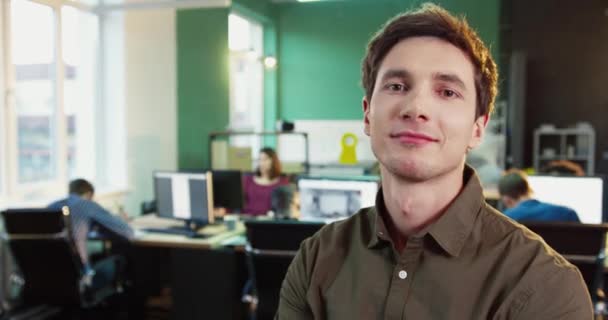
point(395, 87)
point(449, 93)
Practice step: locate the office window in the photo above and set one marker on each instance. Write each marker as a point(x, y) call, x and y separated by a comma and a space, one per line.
point(34, 67)
point(80, 41)
point(2, 146)
point(246, 79)
point(3, 129)
point(2, 136)
point(54, 126)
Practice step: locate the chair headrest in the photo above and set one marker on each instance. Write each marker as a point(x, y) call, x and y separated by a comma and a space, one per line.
point(33, 221)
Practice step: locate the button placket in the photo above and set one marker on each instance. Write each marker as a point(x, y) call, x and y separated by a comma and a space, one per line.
point(406, 267)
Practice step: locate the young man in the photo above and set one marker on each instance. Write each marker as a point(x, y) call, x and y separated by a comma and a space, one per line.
point(83, 214)
point(516, 194)
point(431, 248)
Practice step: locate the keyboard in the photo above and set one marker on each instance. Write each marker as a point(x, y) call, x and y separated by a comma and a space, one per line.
point(176, 231)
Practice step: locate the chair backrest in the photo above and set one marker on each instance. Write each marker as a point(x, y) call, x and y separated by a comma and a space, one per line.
point(281, 199)
point(272, 245)
point(581, 244)
point(41, 243)
point(286, 235)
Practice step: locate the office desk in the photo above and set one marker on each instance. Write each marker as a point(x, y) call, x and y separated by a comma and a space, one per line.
point(197, 278)
point(216, 234)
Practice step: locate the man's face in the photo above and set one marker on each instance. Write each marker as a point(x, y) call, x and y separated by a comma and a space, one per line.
point(421, 118)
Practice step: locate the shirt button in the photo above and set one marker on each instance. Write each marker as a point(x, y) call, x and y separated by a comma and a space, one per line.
point(402, 274)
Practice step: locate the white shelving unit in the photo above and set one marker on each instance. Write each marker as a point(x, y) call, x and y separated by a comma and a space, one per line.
point(573, 144)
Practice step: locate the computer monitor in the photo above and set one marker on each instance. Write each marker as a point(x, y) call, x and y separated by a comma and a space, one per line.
point(228, 190)
point(184, 196)
point(329, 199)
point(583, 194)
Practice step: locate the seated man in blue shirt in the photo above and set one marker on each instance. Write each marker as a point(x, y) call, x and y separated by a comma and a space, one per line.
point(83, 214)
point(516, 194)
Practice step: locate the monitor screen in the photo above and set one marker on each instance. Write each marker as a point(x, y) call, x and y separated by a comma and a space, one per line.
point(334, 199)
point(228, 190)
point(583, 194)
point(184, 196)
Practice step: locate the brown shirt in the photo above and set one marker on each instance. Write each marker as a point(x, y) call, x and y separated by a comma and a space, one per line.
point(472, 263)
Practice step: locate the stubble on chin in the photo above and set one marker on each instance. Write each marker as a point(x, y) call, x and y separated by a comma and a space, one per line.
point(411, 170)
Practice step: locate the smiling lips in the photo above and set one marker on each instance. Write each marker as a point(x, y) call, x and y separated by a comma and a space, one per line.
point(412, 138)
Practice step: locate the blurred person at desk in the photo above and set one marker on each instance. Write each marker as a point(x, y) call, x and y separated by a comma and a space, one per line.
point(259, 186)
point(84, 213)
point(516, 194)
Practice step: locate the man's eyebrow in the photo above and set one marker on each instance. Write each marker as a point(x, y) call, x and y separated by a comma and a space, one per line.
point(396, 73)
point(451, 78)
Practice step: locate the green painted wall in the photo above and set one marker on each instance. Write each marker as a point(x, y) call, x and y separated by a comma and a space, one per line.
point(321, 46)
point(260, 10)
point(202, 82)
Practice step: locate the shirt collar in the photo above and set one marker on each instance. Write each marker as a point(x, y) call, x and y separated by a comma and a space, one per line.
point(452, 229)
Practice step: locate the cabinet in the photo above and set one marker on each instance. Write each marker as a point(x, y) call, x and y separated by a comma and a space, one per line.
point(573, 144)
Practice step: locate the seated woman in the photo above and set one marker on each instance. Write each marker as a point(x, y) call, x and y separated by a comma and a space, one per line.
point(258, 187)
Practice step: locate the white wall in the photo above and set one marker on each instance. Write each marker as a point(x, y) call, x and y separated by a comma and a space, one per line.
point(151, 99)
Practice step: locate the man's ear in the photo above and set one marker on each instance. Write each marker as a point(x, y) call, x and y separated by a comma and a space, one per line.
point(479, 130)
point(366, 110)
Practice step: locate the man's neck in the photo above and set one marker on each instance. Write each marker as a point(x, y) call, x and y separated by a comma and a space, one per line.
point(522, 199)
point(414, 205)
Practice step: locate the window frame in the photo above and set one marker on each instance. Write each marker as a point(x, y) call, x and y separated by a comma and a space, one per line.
point(253, 55)
point(3, 105)
point(11, 190)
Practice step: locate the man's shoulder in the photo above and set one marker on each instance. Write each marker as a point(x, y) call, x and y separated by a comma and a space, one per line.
point(520, 243)
point(71, 201)
point(58, 204)
point(557, 207)
point(536, 273)
point(497, 225)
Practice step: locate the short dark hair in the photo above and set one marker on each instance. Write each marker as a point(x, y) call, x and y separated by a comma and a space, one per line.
point(514, 184)
point(433, 21)
point(80, 187)
point(275, 169)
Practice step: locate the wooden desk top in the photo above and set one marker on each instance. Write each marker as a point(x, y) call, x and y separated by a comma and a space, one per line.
point(216, 234)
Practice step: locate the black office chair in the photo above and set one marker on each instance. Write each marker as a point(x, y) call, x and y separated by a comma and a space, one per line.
point(581, 244)
point(45, 253)
point(281, 199)
point(271, 246)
